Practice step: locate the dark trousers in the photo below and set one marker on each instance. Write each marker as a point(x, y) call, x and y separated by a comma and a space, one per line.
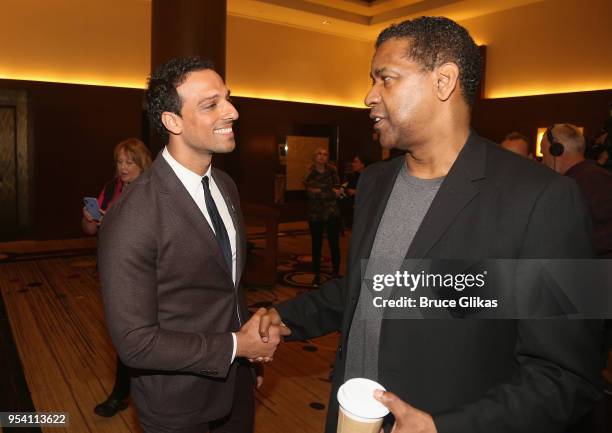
point(240, 420)
point(121, 390)
point(332, 229)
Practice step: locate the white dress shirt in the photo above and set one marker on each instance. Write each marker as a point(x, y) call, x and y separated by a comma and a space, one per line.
point(193, 184)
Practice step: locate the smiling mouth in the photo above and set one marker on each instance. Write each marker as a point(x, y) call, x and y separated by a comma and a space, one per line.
point(223, 131)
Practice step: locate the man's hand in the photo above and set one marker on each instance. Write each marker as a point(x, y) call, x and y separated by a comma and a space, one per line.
point(407, 418)
point(249, 343)
point(270, 319)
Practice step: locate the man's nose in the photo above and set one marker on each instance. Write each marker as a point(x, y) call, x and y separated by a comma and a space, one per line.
point(372, 97)
point(231, 112)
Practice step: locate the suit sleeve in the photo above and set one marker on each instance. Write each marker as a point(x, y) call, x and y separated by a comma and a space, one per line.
point(315, 313)
point(127, 256)
point(558, 379)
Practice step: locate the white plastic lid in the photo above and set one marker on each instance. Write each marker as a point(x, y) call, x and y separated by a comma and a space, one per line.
point(357, 397)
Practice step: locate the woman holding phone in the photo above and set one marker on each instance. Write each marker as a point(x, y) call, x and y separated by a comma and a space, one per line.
point(131, 159)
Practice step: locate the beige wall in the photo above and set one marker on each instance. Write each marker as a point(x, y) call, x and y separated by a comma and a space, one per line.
point(76, 41)
point(279, 62)
point(555, 46)
point(108, 43)
point(545, 47)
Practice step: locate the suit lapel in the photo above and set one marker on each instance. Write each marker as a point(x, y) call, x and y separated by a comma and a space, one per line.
point(238, 223)
point(177, 198)
point(457, 190)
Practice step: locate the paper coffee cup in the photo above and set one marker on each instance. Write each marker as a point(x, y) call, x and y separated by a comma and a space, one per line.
point(360, 412)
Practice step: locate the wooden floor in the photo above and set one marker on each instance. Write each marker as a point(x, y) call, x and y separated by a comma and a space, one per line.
point(51, 296)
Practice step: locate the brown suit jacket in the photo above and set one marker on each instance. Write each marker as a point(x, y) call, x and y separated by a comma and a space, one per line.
point(169, 299)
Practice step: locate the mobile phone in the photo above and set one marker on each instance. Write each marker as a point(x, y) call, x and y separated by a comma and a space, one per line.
point(91, 204)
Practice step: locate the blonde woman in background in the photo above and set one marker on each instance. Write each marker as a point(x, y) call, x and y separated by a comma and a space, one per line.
point(323, 190)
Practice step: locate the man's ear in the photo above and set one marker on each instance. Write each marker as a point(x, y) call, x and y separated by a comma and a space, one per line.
point(447, 77)
point(172, 122)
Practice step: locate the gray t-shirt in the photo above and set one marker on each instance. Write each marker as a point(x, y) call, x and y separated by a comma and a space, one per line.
point(408, 203)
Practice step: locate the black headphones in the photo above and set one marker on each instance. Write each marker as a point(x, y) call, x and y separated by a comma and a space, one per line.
point(556, 148)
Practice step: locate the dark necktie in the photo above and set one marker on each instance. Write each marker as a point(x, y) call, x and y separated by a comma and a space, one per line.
point(217, 222)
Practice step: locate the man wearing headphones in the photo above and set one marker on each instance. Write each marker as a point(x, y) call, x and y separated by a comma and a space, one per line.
point(563, 148)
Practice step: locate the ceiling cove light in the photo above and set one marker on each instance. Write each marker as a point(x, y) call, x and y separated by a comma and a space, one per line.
point(535, 90)
point(88, 80)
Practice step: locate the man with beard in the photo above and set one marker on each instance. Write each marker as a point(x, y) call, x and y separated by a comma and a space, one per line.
point(453, 196)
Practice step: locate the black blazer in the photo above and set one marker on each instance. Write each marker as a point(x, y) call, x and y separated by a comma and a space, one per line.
point(473, 375)
point(170, 301)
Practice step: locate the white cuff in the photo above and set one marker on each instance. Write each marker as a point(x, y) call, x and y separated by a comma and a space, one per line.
point(234, 349)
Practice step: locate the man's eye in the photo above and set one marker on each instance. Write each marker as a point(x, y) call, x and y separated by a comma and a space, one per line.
point(210, 106)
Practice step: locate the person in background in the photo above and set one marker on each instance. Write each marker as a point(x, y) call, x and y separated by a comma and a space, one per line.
point(131, 158)
point(604, 145)
point(517, 143)
point(566, 157)
point(358, 163)
point(563, 149)
point(322, 188)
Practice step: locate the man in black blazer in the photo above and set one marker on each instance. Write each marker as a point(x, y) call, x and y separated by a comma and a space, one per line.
point(453, 196)
point(171, 255)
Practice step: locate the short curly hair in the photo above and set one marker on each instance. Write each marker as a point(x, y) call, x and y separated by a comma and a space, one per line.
point(437, 40)
point(161, 89)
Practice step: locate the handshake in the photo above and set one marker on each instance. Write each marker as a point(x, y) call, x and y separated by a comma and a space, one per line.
point(258, 339)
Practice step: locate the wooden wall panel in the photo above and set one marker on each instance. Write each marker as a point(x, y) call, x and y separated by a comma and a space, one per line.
point(494, 118)
point(264, 124)
point(74, 129)
point(8, 172)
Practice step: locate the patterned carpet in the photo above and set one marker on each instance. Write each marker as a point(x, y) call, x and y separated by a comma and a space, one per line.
point(295, 270)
